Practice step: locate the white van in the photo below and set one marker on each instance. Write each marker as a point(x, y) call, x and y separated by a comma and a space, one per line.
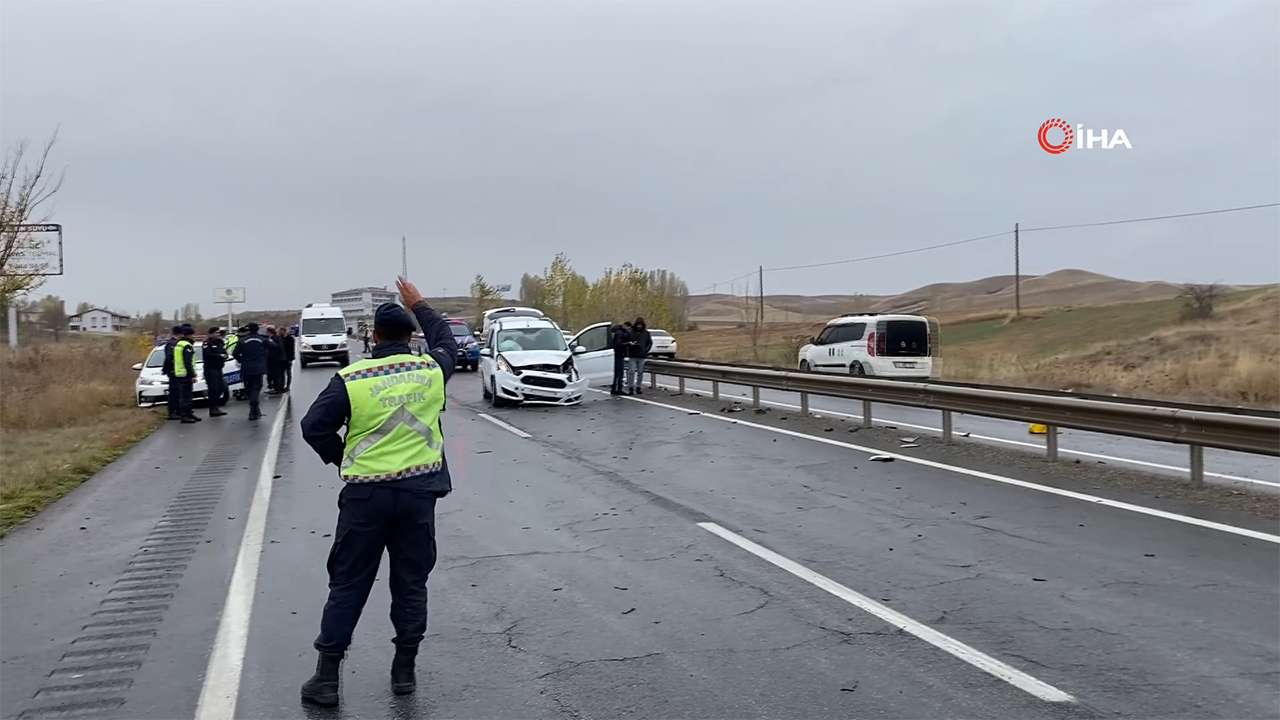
point(891, 346)
point(322, 335)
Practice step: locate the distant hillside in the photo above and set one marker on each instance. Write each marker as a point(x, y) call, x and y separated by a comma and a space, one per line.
point(1063, 288)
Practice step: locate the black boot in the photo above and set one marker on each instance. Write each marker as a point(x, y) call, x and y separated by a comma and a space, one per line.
point(403, 678)
point(322, 688)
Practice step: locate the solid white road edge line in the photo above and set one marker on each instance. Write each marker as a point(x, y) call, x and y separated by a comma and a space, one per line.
point(1187, 519)
point(1007, 441)
point(509, 428)
point(946, 643)
point(221, 688)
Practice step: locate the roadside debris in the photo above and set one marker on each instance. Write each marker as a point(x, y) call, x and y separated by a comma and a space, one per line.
point(881, 458)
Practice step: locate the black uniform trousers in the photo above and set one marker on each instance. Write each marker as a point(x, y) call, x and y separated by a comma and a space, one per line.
point(253, 389)
point(171, 397)
point(619, 370)
point(182, 388)
point(213, 377)
point(371, 519)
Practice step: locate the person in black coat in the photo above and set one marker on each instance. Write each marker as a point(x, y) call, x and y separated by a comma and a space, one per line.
point(215, 356)
point(287, 342)
point(641, 344)
point(620, 340)
point(251, 353)
point(170, 394)
point(275, 362)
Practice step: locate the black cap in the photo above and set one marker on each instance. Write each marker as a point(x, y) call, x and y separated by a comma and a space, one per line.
point(392, 318)
point(242, 329)
point(215, 329)
point(186, 329)
point(251, 327)
point(177, 329)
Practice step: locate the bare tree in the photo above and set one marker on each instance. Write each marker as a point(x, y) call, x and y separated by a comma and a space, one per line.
point(25, 188)
point(53, 314)
point(1198, 300)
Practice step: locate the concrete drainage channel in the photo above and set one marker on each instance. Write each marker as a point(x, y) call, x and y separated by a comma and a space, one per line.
point(90, 679)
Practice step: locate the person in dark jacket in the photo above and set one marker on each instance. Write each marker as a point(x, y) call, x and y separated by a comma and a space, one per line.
point(286, 376)
point(620, 341)
point(215, 357)
point(167, 368)
point(275, 362)
point(184, 374)
point(641, 344)
point(392, 461)
point(251, 353)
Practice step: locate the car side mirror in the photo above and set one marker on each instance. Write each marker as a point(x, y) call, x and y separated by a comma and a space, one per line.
point(486, 352)
point(137, 366)
point(579, 350)
point(814, 341)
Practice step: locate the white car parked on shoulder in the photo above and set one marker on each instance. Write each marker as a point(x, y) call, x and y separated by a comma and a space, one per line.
point(868, 344)
point(664, 345)
point(525, 360)
point(152, 385)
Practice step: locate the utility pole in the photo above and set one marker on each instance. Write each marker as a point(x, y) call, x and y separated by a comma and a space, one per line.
point(761, 283)
point(1017, 275)
point(404, 259)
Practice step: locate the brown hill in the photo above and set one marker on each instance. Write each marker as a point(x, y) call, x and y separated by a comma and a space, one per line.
point(1063, 288)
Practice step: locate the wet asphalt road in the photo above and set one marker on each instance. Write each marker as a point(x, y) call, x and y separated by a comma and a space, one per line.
point(574, 581)
point(1222, 467)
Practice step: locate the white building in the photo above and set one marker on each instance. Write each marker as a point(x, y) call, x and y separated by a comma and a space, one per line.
point(99, 321)
point(357, 305)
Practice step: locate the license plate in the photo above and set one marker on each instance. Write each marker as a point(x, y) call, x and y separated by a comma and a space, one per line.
point(904, 364)
point(231, 378)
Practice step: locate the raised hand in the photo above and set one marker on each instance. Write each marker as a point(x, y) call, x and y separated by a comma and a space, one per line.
point(409, 294)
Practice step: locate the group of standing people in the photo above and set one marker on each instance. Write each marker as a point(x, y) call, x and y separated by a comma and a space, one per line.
point(270, 357)
point(631, 343)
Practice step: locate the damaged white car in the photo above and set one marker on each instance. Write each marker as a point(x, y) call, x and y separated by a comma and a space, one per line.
point(526, 360)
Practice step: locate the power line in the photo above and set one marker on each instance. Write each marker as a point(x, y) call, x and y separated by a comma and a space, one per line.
point(1158, 217)
point(889, 255)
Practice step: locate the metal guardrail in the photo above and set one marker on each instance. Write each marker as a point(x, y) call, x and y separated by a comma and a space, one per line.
point(1252, 431)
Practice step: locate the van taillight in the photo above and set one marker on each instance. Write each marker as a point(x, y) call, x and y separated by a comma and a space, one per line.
point(882, 343)
point(871, 344)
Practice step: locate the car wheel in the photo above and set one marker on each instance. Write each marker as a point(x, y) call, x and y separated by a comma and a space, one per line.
point(484, 389)
point(226, 397)
point(346, 360)
point(857, 369)
point(495, 399)
point(304, 363)
point(804, 366)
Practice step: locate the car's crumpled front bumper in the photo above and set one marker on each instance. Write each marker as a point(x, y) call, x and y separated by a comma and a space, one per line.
point(532, 387)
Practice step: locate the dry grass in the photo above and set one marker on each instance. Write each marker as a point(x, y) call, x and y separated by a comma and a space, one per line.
point(1136, 349)
point(66, 410)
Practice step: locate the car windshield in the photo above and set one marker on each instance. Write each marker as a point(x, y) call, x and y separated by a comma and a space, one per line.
point(519, 339)
point(460, 329)
point(156, 358)
point(323, 326)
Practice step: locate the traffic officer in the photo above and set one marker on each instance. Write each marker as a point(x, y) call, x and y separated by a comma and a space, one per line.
point(184, 374)
point(171, 396)
point(251, 353)
point(215, 356)
point(233, 340)
point(393, 466)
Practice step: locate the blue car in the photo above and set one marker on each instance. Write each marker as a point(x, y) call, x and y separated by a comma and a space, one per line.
point(468, 348)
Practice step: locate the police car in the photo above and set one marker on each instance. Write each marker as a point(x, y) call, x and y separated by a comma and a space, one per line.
point(152, 386)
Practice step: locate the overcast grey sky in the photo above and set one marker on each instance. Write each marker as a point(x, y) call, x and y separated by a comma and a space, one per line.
point(286, 146)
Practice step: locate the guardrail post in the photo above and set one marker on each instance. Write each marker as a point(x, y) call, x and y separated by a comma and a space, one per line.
point(804, 404)
point(715, 389)
point(653, 381)
point(681, 386)
point(866, 413)
point(946, 426)
point(1051, 443)
point(1197, 465)
point(755, 397)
